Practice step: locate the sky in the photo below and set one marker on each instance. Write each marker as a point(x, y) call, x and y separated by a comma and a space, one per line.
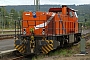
point(31, 2)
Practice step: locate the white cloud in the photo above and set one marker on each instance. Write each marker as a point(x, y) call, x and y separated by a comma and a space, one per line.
point(66, 2)
point(31, 2)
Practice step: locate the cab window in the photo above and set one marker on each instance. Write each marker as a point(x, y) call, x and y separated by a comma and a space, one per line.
point(70, 14)
point(75, 14)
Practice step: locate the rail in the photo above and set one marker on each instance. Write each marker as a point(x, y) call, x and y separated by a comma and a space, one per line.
point(6, 36)
point(18, 58)
point(8, 31)
point(7, 51)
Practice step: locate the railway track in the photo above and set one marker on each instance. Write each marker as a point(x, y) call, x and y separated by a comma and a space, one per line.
point(86, 36)
point(11, 55)
point(6, 36)
point(17, 58)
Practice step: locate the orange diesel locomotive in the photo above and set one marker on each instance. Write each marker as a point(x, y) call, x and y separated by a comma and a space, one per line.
point(42, 32)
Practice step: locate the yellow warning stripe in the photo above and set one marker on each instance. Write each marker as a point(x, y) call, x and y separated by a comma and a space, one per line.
point(17, 47)
point(47, 41)
point(22, 50)
point(44, 50)
point(50, 47)
point(20, 47)
point(51, 41)
point(47, 48)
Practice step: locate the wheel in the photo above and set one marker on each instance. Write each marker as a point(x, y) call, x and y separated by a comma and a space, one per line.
point(16, 53)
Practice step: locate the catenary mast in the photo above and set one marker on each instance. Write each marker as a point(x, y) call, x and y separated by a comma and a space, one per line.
point(37, 5)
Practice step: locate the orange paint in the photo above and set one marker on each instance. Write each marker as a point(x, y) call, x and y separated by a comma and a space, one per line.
point(57, 21)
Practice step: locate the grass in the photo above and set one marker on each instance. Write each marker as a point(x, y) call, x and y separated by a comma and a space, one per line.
point(65, 52)
point(88, 44)
point(38, 57)
point(62, 52)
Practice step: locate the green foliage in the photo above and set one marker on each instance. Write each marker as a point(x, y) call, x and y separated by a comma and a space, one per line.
point(38, 57)
point(7, 18)
point(62, 52)
point(88, 44)
point(84, 13)
point(21, 13)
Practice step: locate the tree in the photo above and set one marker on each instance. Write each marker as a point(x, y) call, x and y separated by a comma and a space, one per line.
point(3, 14)
point(21, 13)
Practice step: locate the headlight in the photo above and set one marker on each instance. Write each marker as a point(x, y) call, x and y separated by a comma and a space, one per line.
point(24, 31)
point(43, 32)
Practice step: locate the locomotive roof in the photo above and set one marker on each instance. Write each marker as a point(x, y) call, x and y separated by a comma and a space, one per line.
point(60, 9)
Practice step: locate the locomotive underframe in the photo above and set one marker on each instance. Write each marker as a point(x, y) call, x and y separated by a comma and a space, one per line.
point(59, 41)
